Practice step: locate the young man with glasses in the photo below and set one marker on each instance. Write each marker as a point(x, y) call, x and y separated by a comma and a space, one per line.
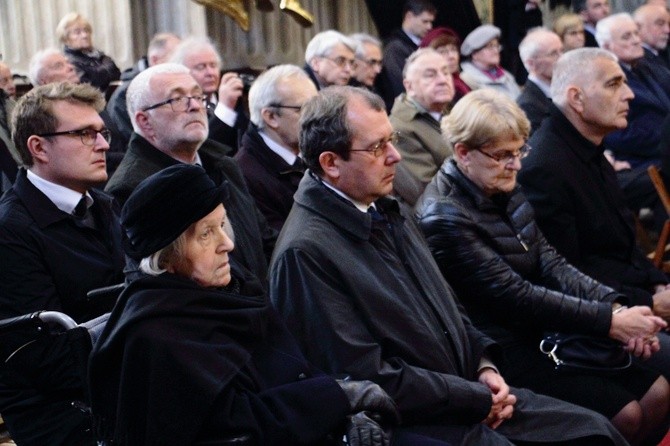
point(59, 239)
point(269, 153)
point(416, 114)
point(329, 59)
point(482, 69)
point(167, 109)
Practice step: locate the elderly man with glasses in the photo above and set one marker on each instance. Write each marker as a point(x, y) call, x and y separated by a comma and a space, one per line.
point(167, 109)
point(59, 238)
point(269, 153)
point(329, 59)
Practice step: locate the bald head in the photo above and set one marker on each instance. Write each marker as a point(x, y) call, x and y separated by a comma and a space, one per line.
point(539, 51)
point(653, 21)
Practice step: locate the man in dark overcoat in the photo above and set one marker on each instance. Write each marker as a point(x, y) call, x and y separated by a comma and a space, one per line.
point(573, 187)
point(358, 287)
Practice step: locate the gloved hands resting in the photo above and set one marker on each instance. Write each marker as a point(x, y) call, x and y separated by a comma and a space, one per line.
point(372, 411)
point(368, 396)
point(362, 430)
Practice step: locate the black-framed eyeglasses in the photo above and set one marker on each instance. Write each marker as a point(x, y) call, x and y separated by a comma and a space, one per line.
point(292, 107)
point(180, 103)
point(508, 156)
point(378, 148)
point(87, 136)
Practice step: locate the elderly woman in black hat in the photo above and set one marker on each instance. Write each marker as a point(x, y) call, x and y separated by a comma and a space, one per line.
point(193, 351)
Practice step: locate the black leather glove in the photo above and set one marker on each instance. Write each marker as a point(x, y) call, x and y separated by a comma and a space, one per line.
point(368, 396)
point(364, 431)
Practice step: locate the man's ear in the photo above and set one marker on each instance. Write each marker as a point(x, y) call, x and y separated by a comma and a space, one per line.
point(269, 116)
point(38, 149)
point(575, 97)
point(330, 164)
point(142, 119)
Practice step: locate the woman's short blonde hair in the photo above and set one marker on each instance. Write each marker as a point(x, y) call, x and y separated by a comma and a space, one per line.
point(67, 21)
point(482, 117)
point(566, 23)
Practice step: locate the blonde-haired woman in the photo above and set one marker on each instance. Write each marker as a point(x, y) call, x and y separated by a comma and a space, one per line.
point(93, 66)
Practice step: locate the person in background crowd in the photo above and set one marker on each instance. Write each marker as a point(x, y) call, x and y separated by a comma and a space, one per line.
point(539, 51)
point(482, 69)
point(329, 59)
point(159, 51)
point(225, 111)
point(591, 12)
point(446, 42)
point(269, 153)
point(92, 65)
point(417, 20)
point(416, 117)
point(368, 63)
point(570, 28)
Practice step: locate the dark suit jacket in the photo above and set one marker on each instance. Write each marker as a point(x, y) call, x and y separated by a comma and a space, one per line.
point(534, 103)
point(581, 211)
point(638, 142)
point(654, 59)
point(590, 40)
point(397, 49)
point(271, 180)
point(222, 133)
point(48, 261)
point(254, 239)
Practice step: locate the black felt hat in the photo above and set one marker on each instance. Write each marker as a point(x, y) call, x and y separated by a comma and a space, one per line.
point(165, 204)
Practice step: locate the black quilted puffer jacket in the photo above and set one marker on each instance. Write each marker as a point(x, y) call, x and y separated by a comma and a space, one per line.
point(512, 282)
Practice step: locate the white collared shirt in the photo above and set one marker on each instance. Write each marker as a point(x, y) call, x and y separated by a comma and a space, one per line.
point(65, 199)
point(546, 88)
point(225, 114)
point(277, 148)
point(360, 206)
point(413, 38)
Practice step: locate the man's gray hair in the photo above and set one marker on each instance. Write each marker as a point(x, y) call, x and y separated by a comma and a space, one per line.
point(411, 60)
point(532, 44)
point(36, 64)
point(323, 42)
point(139, 94)
point(605, 26)
point(191, 45)
point(570, 69)
point(263, 91)
point(361, 39)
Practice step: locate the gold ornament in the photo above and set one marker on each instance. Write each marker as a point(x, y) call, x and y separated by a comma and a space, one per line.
point(233, 8)
point(295, 10)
